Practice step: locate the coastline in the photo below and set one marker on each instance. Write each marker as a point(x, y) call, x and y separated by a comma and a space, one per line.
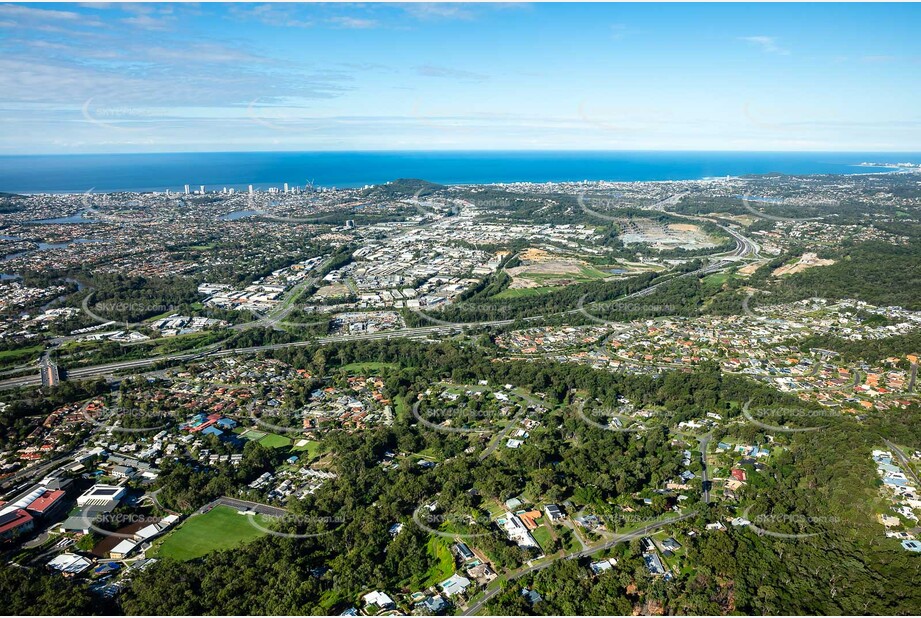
point(133, 173)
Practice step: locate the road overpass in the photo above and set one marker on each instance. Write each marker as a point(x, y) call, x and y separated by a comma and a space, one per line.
point(744, 248)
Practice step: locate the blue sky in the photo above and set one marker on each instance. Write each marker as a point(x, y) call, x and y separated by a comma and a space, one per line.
point(77, 78)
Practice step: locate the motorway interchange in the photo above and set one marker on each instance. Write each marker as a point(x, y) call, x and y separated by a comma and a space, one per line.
point(745, 249)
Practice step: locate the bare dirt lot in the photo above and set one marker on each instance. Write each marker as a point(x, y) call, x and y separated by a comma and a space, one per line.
point(540, 268)
point(809, 260)
point(550, 272)
point(335, 290)
point(659, 236)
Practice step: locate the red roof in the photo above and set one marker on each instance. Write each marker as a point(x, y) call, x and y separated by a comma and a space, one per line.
point(45, 501)
point(13, 520)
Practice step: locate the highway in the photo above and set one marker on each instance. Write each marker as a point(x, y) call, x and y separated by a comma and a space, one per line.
point(411, 333)
point(112, 368)
point(744, 248)
point(33, 471)
point(276, 317)
point(746, 204)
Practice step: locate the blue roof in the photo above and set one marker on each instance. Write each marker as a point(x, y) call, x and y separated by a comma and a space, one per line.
point(532, 596)
point(212, 430)
point(435, 604)
point(912, 545)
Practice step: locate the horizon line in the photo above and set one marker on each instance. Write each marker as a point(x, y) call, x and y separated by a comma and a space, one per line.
point(458, 151)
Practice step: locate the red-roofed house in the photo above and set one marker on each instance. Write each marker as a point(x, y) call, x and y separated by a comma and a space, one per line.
point(46, 503)
point(14, 523)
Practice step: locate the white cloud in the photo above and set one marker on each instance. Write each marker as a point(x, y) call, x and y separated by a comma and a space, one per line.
point(768, 44)
point(147, 22)
point(353, 22)
point(14, 10)
point(436, 71)
point(30, 17)
point(286, 15)
point(438, 10)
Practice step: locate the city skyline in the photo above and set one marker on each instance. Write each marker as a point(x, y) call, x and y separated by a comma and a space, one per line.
point(99, 78)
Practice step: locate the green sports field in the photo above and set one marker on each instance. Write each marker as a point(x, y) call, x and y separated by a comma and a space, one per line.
point(271, 440)
point(220, 528)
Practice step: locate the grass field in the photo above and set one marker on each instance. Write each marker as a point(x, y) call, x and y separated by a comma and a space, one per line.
point(21, 351)
point(569, 540)
point(520, 292)
point(273, 440)
point(312, 448)
point(12, 357)
point(402, 408)
point(543, 538)
point(444, 567)
point(364, 367)
point(716, 281)
point(586, 273)
point(495, 508)
point(186, 342)
point(330, 599)
point(220, 528)
point(427, 453)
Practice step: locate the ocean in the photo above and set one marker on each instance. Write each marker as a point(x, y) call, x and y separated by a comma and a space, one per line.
point(157, 172)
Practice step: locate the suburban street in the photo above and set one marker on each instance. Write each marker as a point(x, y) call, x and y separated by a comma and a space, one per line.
point(904, 459)
point(704, 476)
point(619, 538)
point(744, 248)
point(425, 309)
